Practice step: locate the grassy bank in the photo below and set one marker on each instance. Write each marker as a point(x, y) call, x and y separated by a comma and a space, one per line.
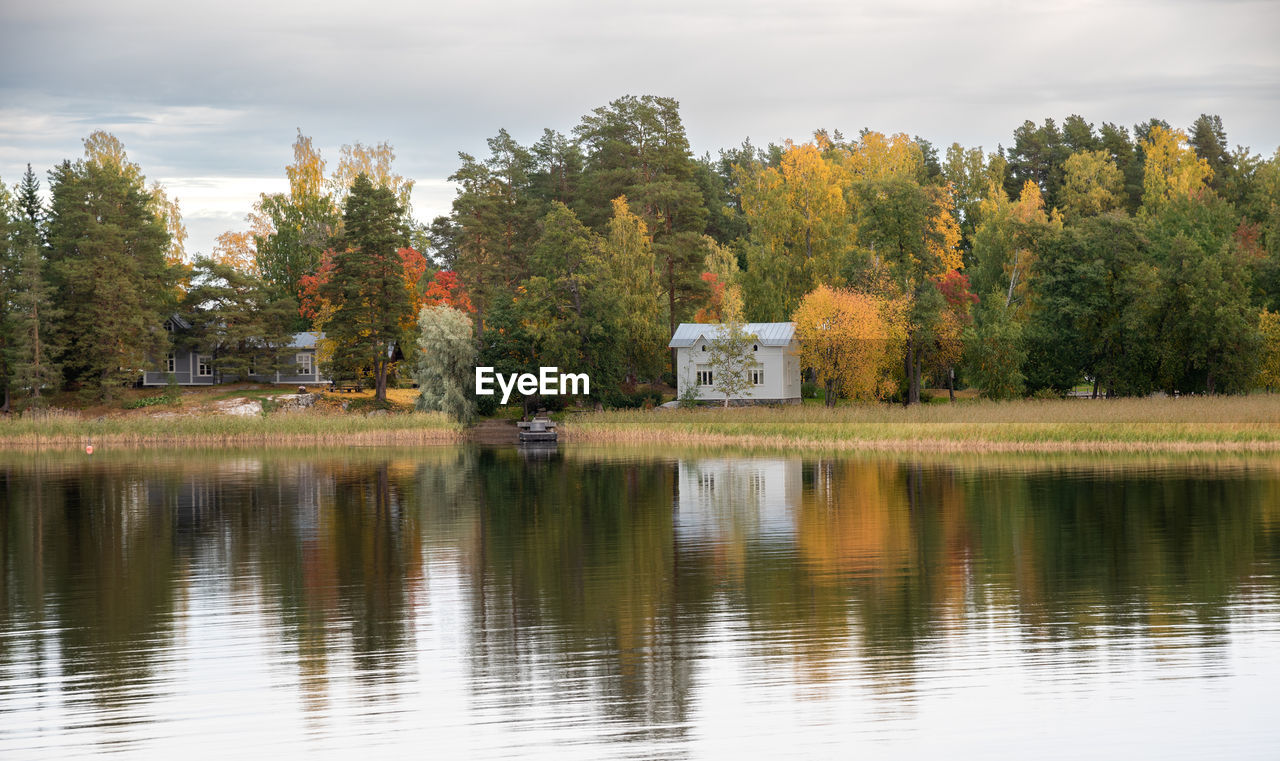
point(1189, 424)
point(307, 428)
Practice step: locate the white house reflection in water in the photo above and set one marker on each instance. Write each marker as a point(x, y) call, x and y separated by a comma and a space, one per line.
point(737, 499)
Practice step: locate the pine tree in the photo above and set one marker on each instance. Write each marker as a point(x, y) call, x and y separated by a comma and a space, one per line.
point(29, 203)
point(8, 281)
point(107, 263)
point(240, 321)
point(637, 147)
point(367, 287)
point(35, 313)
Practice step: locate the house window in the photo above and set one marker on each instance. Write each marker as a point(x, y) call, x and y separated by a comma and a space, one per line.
point(704, 347)
point(168, 325)
point(755, 347)
point(757, 376)
point(704, 378)
point(204, 368)
point(170, 363)
point(304, 363)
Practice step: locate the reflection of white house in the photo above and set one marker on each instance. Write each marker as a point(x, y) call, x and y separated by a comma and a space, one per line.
point(777, 375)
point(745, 498)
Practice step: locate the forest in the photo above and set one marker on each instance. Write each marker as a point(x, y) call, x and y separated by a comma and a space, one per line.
point(1125, 260)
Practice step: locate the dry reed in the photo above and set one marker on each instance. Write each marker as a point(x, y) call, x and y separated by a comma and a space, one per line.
point(1210, 424)
point(298, 429)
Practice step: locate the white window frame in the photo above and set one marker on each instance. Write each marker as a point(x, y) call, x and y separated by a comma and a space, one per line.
point(705, 378)
point(204, 367)
point(757, 375)
point(171, 363)
point(303, 360)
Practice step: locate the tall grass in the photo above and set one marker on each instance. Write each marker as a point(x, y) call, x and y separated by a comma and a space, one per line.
point(63, 431)
point(1188, 424)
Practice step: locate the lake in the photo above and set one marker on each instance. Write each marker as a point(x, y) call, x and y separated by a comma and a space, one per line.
point(595, 603)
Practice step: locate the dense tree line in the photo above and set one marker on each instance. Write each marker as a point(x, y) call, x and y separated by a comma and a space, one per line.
point(1136, 259)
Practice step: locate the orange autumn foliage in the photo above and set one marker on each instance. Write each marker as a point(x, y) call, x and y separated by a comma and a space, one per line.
point(446, 289)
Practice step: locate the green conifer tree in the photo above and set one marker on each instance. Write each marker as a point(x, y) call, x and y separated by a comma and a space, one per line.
point(367, 288)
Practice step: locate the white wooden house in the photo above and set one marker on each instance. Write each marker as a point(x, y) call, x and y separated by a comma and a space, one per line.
point(776, 377)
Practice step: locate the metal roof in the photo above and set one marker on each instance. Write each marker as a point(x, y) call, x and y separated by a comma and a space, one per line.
point(305, 340)
point(766, 333)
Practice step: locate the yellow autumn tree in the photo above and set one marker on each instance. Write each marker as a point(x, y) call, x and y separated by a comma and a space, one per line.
point(723, 278)
point(375, 162)
point(627, 251)
point(1172, 169)
point(875, 157)
point(800, 228)
point(306, 173)
point(853, 341)
point(236, 250)
point(1005, 243)
point(1093, 185)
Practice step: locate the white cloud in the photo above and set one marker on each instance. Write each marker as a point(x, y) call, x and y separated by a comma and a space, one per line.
point(218, 90)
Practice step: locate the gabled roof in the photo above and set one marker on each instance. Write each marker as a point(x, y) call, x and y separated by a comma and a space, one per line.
point(177, 320)
point(766, 333)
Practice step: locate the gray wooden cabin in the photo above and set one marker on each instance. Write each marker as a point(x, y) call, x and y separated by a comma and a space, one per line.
point(194, 368)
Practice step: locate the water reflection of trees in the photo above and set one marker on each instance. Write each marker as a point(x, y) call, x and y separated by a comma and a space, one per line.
point(598, 584)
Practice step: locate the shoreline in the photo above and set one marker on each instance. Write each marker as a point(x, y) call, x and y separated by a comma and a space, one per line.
point(903, 444)
point(71, 432)
point(1201, 424)
point(1206, 424)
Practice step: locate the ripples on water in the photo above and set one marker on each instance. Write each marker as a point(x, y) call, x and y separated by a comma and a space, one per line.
point(480, 604)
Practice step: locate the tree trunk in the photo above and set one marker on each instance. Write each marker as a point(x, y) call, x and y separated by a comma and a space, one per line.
point(915, 384)
point(907, 362)
point(830, 399)
point(380, 382)
point(1095, 388)
point(951, 384)
point(35, 332)
point(671, 307)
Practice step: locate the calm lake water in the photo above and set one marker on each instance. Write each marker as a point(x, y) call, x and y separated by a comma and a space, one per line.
point(601, 604)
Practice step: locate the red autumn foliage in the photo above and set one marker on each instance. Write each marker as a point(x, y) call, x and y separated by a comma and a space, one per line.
point(715, 299)
point(446, 289)
point(954, 286)
point(313, 306)
point(311, 303)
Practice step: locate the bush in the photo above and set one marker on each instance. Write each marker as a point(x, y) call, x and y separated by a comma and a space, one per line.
point(688, 398)
point(150, 401)
point(486, 406)
point(622, 400)
point(809, 390)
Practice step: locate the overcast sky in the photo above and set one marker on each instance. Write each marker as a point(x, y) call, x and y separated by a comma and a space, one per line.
point(208, 97)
